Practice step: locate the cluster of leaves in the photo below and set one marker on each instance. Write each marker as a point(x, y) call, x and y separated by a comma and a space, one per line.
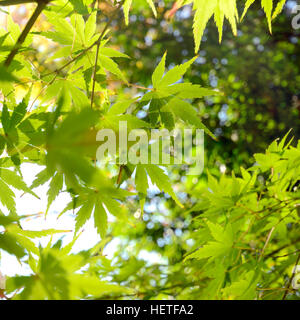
point(245, 219)
point(55, 273)
point(238, 240)
point(219, 10)
point(68, 99)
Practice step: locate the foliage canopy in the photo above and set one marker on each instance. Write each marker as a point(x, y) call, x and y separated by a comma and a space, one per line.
point(236, 236)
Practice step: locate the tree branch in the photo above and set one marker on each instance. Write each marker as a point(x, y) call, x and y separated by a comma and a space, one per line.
point(40, 7)
point(6, 3)
point(14, 2)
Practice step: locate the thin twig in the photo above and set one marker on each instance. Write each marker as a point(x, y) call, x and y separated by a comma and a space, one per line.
point(41, 91)
point(291, 279)
point(94, 74)
point(70, 62)
point(84, 51)
point(95, 69)
point(286, 255)
point(139, 87)
point(98, 49)
point(283, 247)
point(266, 243)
